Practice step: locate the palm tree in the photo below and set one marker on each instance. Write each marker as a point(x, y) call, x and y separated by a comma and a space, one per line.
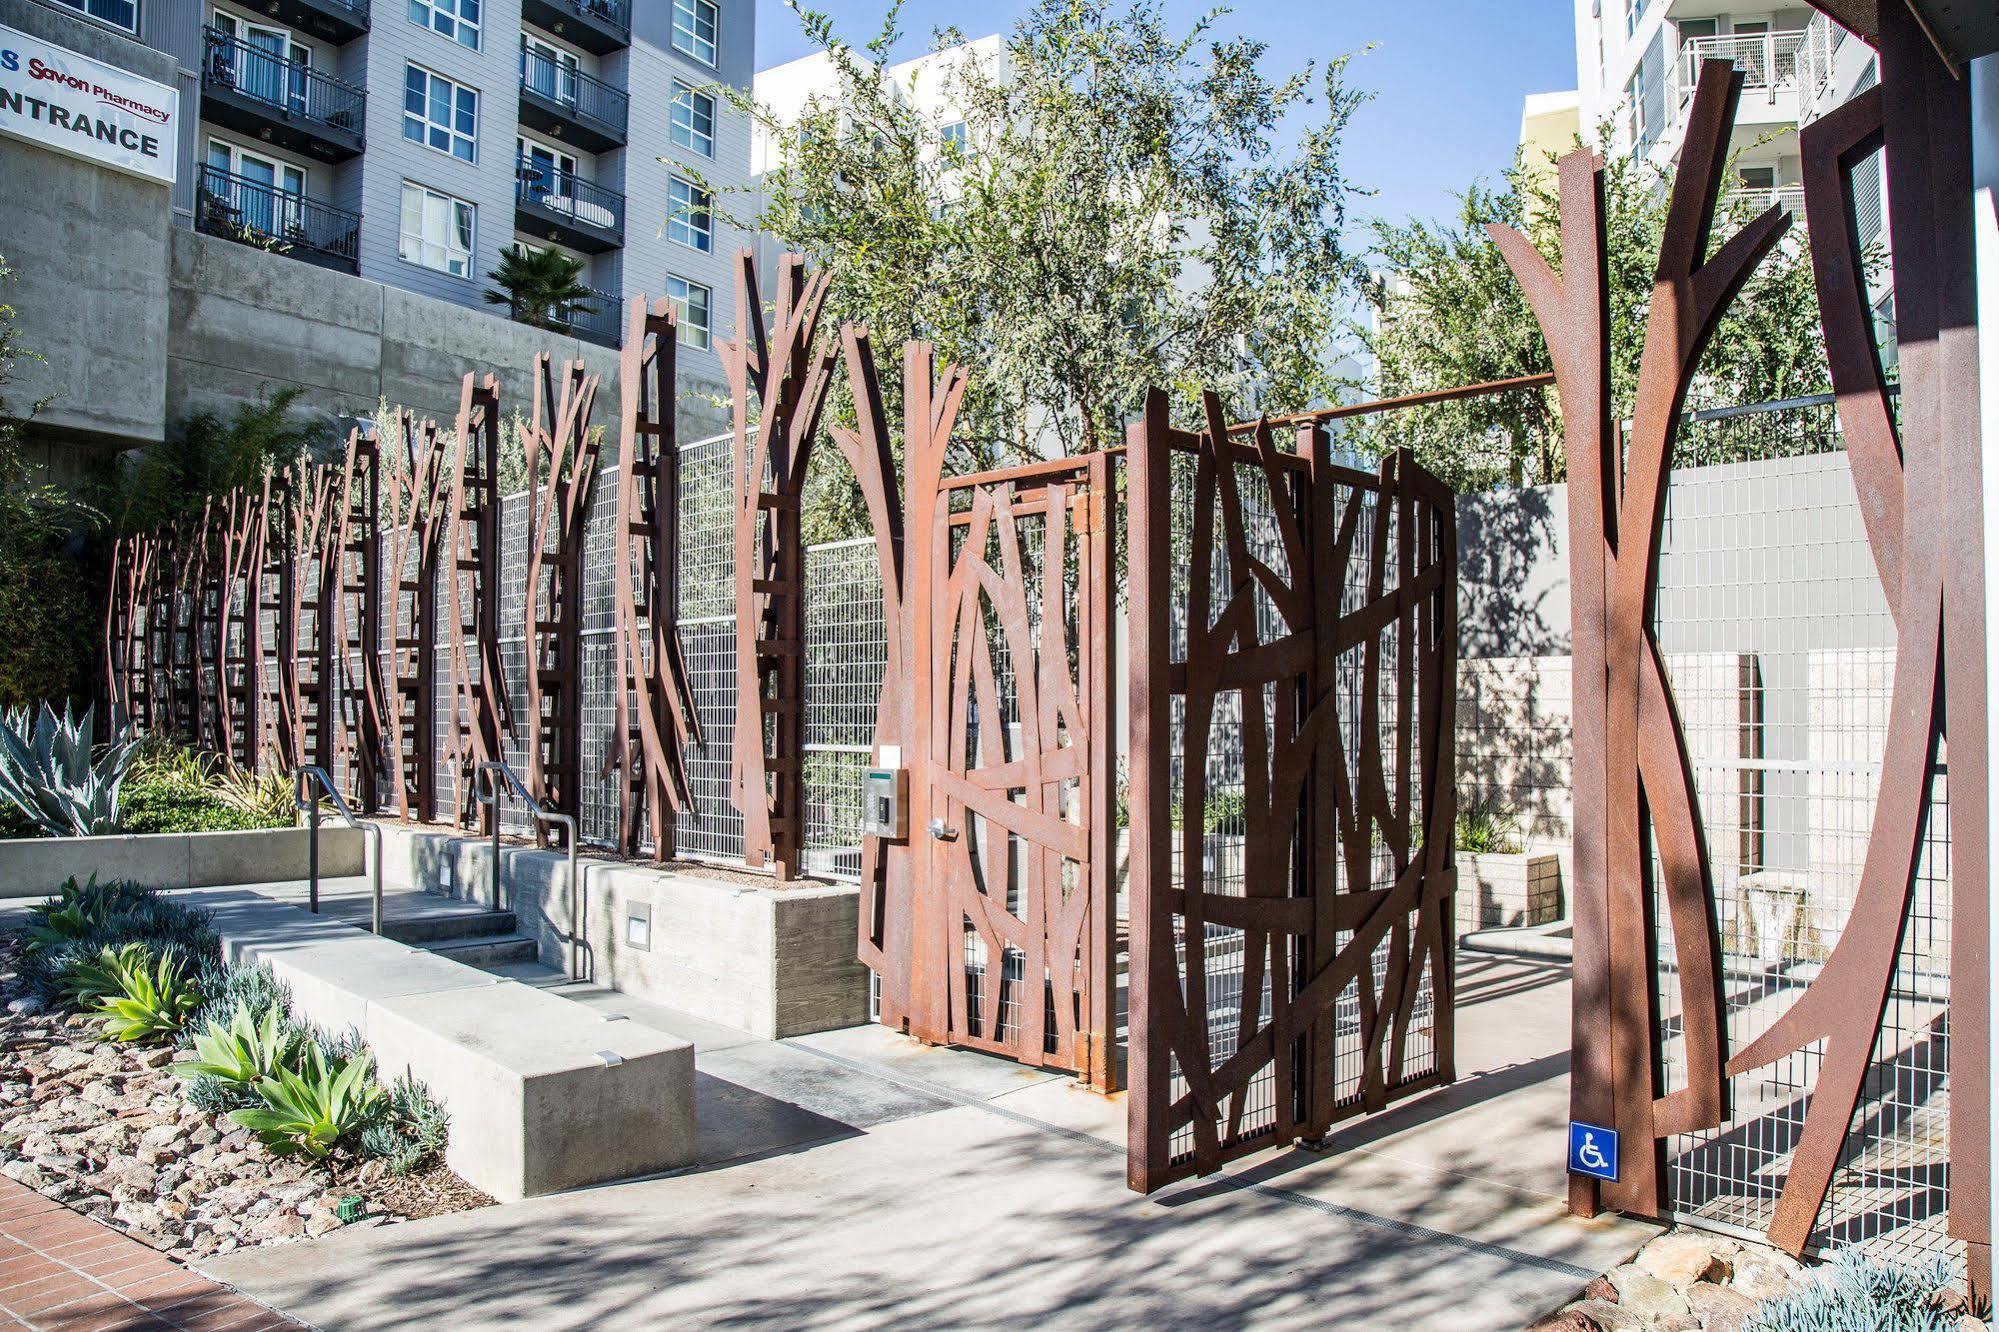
point(541, 287)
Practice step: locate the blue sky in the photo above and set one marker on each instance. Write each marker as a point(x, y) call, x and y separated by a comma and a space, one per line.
point(1448, 75)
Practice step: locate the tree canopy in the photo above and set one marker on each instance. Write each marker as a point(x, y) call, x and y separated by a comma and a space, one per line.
point(1126, 205)
point(1447, 311)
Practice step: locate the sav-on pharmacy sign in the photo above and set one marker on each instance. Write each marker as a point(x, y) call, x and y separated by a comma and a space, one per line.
point(51, 96)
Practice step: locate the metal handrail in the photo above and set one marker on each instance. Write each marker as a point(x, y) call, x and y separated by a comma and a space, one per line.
point(494, 770)
point(584, 96)
point(313, 777)
point(280, 82)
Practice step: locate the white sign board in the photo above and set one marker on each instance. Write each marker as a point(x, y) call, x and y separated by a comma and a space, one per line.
point(50, 95)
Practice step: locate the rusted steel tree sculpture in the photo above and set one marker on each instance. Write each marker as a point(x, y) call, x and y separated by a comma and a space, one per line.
point(354, 561)
point(1247, 625)
point(1630, 754)
point(930, 407)
point(1631, 766)
point(479, 704)
point(788, 374)
point(561, 455)
point(421, 498)
point(653, 714)
point(1918, 482)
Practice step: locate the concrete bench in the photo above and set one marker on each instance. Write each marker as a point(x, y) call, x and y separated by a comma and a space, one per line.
point(544, 1094)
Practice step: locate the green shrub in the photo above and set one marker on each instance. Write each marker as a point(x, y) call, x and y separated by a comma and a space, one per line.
point(316, 1109)
point(78, 910)
point(411, 1129)
point(226, 988)
point(88, 983)
point(51, 772)
point(174, 789)
point(247, 1050)
point(1853, 1294)
point(1485, 828)
point(154, 997)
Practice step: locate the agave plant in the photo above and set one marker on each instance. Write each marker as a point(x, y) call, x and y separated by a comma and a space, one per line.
point(313, 1110)
point(246, 1051)
point(49, 773)
point(154, 997)
point(79, 909)
point(88, 982)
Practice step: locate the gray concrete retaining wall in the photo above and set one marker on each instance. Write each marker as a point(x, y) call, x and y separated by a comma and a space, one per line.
point(37, 866)
point(771, 961)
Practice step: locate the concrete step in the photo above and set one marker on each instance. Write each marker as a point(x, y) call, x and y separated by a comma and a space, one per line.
point(488, 951)
point(433, 927)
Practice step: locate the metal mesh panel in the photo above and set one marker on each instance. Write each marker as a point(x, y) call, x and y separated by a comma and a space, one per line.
point(846, 652)
point(1781, 653)
point(714, 828)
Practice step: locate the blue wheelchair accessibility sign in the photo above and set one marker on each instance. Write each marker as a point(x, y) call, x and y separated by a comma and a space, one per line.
point(1592, 1151)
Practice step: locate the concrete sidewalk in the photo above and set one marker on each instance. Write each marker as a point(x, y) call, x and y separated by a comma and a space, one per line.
point(857, 1179)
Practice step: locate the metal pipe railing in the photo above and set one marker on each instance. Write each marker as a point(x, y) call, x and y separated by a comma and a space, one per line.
point(311, 777)
point(496, 769)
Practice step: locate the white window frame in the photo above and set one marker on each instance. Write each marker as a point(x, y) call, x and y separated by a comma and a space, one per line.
point(688, 40)
point(406, 242)
point(237, 152)
point(685, 201)
point(568, 69)
point(296, 59)
point(690, 97)
point(88, 9)
point(957, 132)
point(444, 18)
point(695, 335)
point(451, 130)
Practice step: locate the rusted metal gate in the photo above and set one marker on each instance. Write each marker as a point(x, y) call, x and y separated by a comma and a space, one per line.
point(1294, 641)
point(1012, 764)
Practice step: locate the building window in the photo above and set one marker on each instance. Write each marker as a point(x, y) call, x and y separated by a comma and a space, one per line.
point(248, 192)
point(456, 19)
point(956, 135)
point(690, 304)
point(438, 230)
point(440, 113)
point(693, 115)
point(690, 217)
point(694, 29)
point(120, 13)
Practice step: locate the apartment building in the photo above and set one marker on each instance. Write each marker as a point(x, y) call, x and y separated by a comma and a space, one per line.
point(412, 142)
point(1637, 62)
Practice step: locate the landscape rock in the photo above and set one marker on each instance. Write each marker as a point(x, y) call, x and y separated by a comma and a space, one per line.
point(1721, 1308)
point(1644, 1294)
point(1603, 1316)
point(1682, 1257)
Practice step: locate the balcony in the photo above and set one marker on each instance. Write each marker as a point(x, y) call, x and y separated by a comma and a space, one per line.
point(263, 95)
point(570, 106)
point(257, 213)
point(335, 21)
point(560, 206)
point(598, 26)
point(596, 320)
point(1769, 64)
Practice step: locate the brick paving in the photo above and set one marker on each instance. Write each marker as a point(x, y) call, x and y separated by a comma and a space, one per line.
point(64, 1272)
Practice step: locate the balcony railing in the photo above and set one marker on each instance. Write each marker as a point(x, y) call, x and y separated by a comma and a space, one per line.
point(1756, 198)
point(589, 101)
point(598, 26)
point(259, 214)
point(1768, 61)
point(550, 188)
point(595, 320)
point(290, 89)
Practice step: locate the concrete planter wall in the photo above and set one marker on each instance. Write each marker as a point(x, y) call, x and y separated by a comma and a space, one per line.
point(37, 866)
point(1499, 890)
point(771, 961)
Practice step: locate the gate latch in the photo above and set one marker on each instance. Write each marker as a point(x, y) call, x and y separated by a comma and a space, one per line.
point(943, 832)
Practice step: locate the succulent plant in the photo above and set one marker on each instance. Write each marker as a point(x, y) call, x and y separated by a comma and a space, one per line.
point(52, 774)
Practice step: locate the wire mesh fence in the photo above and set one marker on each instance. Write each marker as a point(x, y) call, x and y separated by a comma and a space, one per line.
point(1780, 647)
